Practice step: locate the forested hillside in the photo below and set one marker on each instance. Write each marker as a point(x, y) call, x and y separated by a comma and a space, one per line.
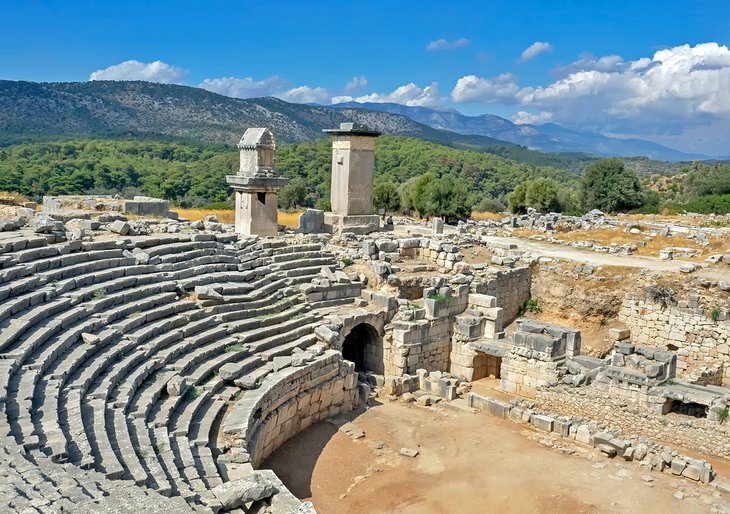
point(195, 174)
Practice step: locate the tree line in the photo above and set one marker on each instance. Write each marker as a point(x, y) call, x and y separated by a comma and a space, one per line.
point(411, 175)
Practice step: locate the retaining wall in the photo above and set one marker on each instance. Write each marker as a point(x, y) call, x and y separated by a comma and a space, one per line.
point(290, 400)
point(591, 403)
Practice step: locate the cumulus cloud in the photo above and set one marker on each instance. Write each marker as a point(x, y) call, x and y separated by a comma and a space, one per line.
point(528, 118)
point(535, 49)
point(501, 89)
point(659, 96)
point(305, 95)
point(156, 71)
point(341, 99)
point(674, 88)
point(408, 94)
point(244, 87)
point(356, 84)
point(587, 62)
point(248, 87)
point(445, 44)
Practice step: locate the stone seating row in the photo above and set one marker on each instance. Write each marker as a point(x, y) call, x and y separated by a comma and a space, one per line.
point(86, 377)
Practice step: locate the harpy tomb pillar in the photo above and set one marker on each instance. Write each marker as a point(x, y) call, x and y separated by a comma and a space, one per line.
point(257, 184)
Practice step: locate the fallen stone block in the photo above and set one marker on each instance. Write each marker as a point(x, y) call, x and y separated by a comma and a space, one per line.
point(408, 452)
point(677, 466)
point(583, 435)
point(281, 362)
point(237, 493)
point(176, 385)
point(607, 449)
point(541, 422)
point(120, 227)
point(691, 472)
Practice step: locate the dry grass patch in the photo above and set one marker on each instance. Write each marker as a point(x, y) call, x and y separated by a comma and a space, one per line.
point(289, 219)
point(223, 215)
point(486, 216)
point(607, 236)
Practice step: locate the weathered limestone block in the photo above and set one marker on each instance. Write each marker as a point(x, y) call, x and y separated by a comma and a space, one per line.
point(237, 493)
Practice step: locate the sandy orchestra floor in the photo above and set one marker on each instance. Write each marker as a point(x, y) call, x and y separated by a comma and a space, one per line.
point(467, 463)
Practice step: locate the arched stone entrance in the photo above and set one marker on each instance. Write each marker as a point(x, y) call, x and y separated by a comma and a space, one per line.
point(364, 346)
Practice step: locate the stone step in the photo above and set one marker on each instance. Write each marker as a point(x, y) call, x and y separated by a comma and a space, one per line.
point(281, 339)
point(280, 350)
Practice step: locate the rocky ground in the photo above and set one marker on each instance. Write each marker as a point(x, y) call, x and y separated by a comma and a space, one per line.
point(468, 463)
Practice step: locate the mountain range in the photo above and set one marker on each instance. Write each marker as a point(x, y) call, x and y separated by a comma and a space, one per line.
point(34, 112)
point(549, 137)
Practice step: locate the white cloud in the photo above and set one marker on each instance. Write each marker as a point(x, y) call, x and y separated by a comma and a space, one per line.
point(342, 99)
point(156, 71)
point(408, 94)
point(657, 97)
point(586, 62)
point(673, 89)
point(305, 95)
point(444, 44)
point(500, 89)
point(535, 49)
point(244, 87)
point(273, 86)
point(527, 118)
point(356, 84)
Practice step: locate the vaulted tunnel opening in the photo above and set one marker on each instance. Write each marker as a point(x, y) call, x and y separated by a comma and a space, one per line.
point(364, 346)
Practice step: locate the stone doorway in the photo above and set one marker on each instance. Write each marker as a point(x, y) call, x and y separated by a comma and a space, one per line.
point(364, 346)
point(487, 366)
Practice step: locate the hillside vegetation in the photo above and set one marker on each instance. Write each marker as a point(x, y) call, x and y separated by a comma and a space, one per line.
point(194, 175)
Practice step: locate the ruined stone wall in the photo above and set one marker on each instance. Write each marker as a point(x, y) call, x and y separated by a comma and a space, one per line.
point(698, 339)
point(290, 400)
point(701, 435)
point(511, 288)
point(422, 345)
point(524, 374)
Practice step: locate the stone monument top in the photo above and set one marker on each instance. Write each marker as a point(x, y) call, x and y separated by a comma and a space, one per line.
point(354, 129)
point(258, 149)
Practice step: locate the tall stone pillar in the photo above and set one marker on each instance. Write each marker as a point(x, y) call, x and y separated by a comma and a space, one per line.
point(257, 184)
point(353, 166)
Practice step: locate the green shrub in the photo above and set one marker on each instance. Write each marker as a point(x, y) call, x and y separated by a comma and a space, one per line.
point(531, 306)
point(193, 392)
point(716, 314)
point(346, 261)
point(722, 415)
point(98, 294)
point(236, 347)
point(438, 297)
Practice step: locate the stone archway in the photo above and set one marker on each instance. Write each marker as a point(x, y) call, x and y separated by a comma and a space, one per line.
point(363, 345)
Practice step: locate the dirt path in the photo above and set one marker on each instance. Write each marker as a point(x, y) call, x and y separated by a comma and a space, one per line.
point(467, 463)
point(545, 249)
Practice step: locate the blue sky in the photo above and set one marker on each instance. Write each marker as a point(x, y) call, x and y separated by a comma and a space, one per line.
point(593, 65)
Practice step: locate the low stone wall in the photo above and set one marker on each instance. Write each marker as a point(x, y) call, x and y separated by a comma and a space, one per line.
point(522, 372)
point(290, 400)
point(422, 344)
point(511, 288)
point(697, 339)
point(701, 435)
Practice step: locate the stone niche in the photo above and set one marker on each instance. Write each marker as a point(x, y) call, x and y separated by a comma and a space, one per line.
point(257, 184)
